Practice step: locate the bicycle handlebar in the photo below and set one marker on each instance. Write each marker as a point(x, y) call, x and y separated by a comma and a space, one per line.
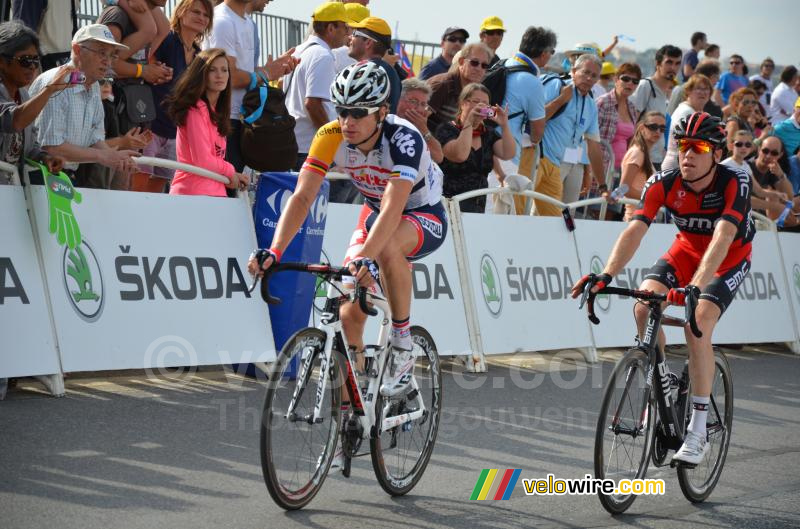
point(644, 295)
point(327, 271)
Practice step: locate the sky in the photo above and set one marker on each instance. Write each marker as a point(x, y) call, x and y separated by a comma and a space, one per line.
point(754, 30)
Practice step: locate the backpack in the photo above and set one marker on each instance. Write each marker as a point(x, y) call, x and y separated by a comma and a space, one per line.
point(562, 79)
point(495, 82)
point(268, 142)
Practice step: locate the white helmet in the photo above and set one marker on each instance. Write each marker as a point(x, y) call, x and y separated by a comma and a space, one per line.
point(363, 84)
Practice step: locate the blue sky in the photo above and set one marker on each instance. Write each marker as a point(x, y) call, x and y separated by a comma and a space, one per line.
point(751, 29)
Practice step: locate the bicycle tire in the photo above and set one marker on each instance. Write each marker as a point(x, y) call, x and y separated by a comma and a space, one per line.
point(629, 377)
point(277, 458)
point(719, 430)
point(391, 475)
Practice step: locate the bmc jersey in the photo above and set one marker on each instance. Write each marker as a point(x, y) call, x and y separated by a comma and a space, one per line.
point(399, 153)
point(696, 214)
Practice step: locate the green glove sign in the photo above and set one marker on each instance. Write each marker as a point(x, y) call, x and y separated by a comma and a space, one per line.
point(60, 194)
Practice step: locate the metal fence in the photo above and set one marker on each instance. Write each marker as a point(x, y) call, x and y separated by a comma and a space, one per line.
point(276, 34)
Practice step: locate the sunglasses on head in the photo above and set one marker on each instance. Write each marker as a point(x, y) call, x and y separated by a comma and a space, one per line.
point(742, 144)
point(629, 79)
point(655, 127)
point(475, 63)
point(770, 152)
point(26, 61)
point(462, 40)
point(697, 146)
point(355, 112)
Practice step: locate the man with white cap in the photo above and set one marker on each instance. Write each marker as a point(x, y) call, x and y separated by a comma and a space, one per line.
point(71, 124)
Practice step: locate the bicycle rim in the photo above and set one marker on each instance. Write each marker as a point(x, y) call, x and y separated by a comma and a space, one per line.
point(401, 454)
point(697, 483)
point(296, 455)
point(624, 428)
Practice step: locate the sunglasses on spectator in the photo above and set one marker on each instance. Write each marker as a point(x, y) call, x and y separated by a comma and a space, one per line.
point(355, 112)
point(697, 146)
point(749, 102)
point(462, 40)
point(656, 127)
point(734, 63)
point(770, 152)
point(629, 79)
point(475, 63)
point(494, 32)
point(26, 61)
point(742, 144)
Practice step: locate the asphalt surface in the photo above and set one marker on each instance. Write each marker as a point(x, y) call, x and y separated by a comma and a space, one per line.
point(132, 451)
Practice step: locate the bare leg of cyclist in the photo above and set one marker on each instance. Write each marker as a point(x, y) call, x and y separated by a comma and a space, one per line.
point(641, 311)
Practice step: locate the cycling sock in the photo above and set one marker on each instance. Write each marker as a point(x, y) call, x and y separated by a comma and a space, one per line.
point(401, 333)
point(699, 414)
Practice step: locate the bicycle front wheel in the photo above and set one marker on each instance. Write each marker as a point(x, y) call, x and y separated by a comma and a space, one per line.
point(401, 454)
point(296, 449)
point(624, 428)
point(698, 482)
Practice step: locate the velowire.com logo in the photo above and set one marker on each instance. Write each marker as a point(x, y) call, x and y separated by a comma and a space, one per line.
point(490, 285)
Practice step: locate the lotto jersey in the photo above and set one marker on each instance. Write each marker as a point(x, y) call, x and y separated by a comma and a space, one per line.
point(696, 214)
point(399, 153)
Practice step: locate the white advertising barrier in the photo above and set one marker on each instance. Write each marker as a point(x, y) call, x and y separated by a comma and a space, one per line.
point(790, 246)
point(437, 302)
point(595, 239)
point(157, 281)
point(522, 269)
point(28, 346)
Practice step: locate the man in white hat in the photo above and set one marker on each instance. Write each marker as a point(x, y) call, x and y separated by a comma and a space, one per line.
point(71, 124)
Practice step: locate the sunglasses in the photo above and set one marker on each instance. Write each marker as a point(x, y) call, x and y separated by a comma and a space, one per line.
point(475, 63)
point(770, 152)
point(655, 127)
point(494, 32)
point(462, 40)
point(742, 144)
point(734, 63)
point(697, 146)
point(749, 102)
point(355, 112)
point(26, 61)
point(629, 79)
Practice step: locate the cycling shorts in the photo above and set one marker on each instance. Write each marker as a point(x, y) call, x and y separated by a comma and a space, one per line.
point(677, 267)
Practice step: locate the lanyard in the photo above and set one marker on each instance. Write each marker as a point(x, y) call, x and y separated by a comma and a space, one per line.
point(577, 133)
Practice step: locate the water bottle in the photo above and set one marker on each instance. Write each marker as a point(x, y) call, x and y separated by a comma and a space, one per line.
point(619, 192)
point(784, 214)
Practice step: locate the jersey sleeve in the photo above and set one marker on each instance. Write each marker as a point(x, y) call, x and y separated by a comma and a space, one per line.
point(323, 148)
point(652, 199)
point(405, 148)
point(737, 197)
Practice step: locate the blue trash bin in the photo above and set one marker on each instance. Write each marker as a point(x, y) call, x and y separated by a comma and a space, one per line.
point(295, 289)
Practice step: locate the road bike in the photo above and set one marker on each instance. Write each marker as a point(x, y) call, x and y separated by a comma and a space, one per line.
point(641, 421)
point(302, 419)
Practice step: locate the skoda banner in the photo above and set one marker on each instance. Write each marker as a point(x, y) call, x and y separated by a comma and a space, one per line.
point(790, 244)
point(142, 280)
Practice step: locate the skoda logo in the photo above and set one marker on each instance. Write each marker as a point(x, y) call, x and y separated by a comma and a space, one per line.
point(596, 266)
point(83, 281)
point(490, 285)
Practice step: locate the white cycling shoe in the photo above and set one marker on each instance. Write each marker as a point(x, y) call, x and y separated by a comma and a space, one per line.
point(693, 450)
point(400, 373)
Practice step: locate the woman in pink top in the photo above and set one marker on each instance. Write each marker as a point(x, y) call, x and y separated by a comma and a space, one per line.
point(616, 114)
point(200, 106)
point(636, 164)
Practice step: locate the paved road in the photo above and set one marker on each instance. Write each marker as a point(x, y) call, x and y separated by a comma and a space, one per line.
point(130, 451)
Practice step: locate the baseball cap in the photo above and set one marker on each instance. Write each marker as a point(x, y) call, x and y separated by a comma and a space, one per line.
point(797, 103)
point(355, 12)
point(584, 47)
point(453, 29)
point(330, 12)
point(492, 23)
point(375, 28)
point(96, 32)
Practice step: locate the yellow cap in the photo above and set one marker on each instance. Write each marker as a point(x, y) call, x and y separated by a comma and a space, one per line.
point(355, 12)
point(608, 69)
point(797, 103)
point(492, 23)
point(375, 25)
point(330, 12)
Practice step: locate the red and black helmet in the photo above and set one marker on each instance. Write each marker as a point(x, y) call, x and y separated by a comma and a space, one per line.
point(701, 126)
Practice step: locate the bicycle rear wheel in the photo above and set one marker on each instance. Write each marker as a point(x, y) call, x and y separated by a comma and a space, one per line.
point(296, 452)
point(401, 454)
point(697, 483)
point(624, 428)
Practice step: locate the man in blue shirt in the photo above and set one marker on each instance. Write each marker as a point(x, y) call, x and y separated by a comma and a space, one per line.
point(788, 130)
point(453, 40)
point(577, 121)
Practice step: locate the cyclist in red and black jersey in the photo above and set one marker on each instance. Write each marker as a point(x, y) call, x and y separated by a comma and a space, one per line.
point(710, 205)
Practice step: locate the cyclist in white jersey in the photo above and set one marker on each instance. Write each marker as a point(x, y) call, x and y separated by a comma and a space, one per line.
point(402, 219)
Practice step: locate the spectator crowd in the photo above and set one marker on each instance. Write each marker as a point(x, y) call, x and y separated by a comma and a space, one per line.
point(88, 101)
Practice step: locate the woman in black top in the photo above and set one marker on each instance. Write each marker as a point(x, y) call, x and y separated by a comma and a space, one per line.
point(469, 145)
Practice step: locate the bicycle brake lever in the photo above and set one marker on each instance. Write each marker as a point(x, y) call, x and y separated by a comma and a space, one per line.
point(691, 306)
point(265, 295)
point(361, 295)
